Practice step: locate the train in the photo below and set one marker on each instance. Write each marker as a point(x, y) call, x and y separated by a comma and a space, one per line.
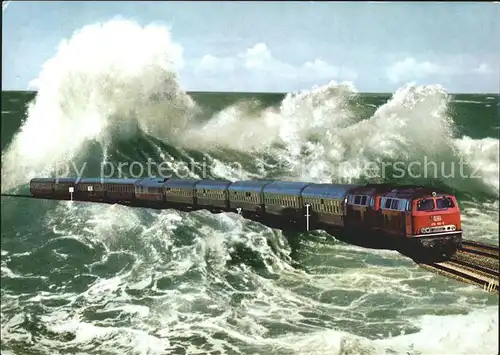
point(417, 216)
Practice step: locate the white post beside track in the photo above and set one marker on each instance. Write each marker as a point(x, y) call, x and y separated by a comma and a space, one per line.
point(307, 216)
point(71, 190)
point(239, 210)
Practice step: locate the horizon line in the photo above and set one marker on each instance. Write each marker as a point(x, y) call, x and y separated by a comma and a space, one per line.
point(283, 92)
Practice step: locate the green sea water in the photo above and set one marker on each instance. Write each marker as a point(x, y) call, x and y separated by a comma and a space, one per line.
point(83, 278)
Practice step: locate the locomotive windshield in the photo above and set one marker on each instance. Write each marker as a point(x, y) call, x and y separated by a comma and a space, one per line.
point(425, 204)
point(444, 202)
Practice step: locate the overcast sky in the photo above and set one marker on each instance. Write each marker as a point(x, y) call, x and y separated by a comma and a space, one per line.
point(280, 46)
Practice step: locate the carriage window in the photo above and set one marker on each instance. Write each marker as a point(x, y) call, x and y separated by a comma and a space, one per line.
point(357, 200)
point(395, 204)
point(425, 205)
point(363, 200)
point(444, 202)
point(387, 203)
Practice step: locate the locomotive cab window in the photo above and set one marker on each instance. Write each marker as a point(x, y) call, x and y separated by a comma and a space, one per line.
point(425, 205)
point(363, 200)
point(444, 202)
point(395, 204)
point(387, 203)
point(357, 200)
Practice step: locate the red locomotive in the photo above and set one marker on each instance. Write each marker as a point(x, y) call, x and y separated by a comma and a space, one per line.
point(413, 215)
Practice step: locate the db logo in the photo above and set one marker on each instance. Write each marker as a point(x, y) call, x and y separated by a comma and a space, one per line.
point(436, 218)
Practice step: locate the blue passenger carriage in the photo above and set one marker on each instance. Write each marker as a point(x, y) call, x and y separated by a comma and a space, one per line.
point(64, 188)
point(327, 201)
point(180, 191)
point(42, 187)
point(283, 197)
point(248, 195)
point(212, 193)
point(120, 190)
point(91, 189)
point(150, 190)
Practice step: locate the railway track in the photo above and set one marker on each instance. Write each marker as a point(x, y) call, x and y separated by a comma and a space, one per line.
point(489, 251)
point(479, 268)
point(466, 272)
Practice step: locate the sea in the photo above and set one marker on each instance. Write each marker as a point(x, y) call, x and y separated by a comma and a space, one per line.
point(83, 278)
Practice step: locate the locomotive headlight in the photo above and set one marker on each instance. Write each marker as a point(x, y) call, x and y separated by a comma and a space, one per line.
point(422, 230)
point(453, 228)
point(427, 230)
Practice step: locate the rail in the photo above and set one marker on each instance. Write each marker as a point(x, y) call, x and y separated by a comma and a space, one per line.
point(490, 272)
point(472, 247)
point(467, 272)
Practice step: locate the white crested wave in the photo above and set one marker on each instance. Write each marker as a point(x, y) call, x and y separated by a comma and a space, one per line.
point(103, 84)
point(318, 138)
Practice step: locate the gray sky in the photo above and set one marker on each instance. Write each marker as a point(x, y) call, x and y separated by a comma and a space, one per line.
point(279, 46)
